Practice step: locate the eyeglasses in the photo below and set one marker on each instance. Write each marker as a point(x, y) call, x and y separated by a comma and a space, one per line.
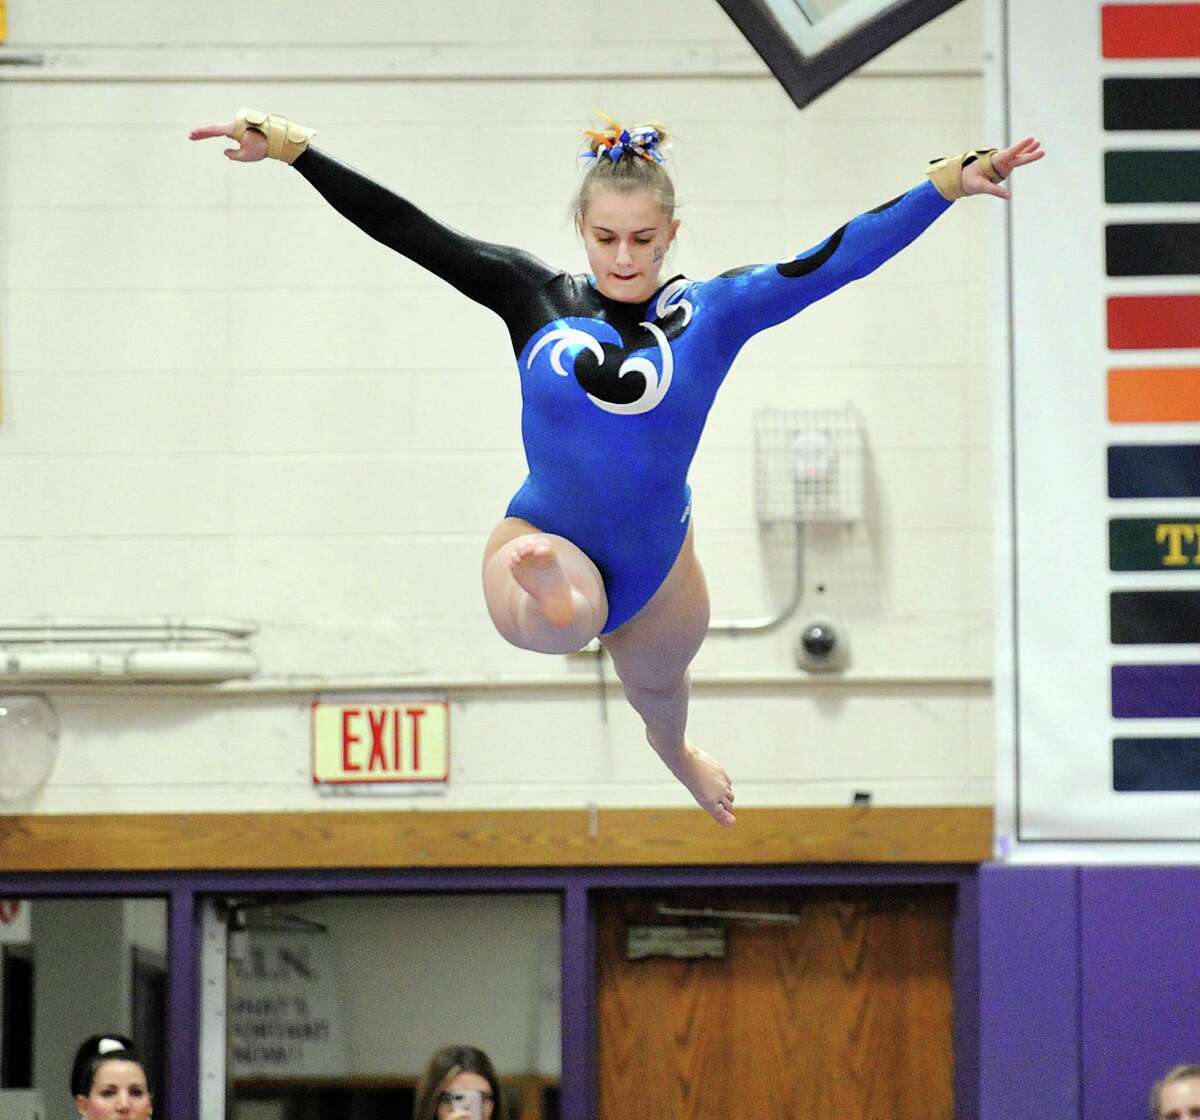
point(456, 1098)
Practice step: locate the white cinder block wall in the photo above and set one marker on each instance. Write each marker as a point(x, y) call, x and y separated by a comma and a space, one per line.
point(220, 399)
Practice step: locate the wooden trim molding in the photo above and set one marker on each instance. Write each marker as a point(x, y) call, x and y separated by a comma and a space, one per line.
point(501, 838)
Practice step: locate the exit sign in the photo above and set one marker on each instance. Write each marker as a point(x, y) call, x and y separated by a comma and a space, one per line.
point(381, 741)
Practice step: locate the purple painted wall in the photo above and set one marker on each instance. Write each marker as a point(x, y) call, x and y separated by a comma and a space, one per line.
point(1089, 988)
point(1029, 994)
point(1140, 963)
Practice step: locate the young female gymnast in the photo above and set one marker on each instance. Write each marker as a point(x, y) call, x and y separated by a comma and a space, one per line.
point(618, 371)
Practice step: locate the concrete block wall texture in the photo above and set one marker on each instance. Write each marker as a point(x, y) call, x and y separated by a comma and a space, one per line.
point(222, 399)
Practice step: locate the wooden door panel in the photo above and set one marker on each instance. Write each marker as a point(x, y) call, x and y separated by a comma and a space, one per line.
point(847, 1013)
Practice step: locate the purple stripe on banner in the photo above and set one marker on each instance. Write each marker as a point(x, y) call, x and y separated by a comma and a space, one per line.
point(1155, 691)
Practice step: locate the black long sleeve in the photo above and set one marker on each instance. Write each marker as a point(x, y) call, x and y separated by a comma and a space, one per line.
point(496, 276)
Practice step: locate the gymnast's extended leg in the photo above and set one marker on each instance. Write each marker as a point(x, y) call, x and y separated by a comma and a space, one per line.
point(542, 592)
point(651, 654)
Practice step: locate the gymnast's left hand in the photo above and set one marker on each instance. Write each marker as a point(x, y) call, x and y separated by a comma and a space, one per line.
point(1005, 161)
point(251, 148)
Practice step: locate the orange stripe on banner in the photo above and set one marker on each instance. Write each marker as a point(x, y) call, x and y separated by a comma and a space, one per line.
point(1150, 396)
point(1151, 30)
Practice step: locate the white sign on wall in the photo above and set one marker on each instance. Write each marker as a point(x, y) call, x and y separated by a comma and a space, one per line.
point(381, 743)
point(285, 1012)
point(1098, 684)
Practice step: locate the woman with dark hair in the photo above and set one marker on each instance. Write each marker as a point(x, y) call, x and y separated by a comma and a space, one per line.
point(460, 1083)
point(108, 1080)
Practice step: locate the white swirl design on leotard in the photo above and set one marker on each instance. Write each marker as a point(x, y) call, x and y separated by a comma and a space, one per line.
point(656, 386)
point(656, 383)
point(565, 337)
point(667, 304)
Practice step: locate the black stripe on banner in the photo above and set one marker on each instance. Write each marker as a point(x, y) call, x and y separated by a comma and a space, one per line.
point(1151, 103)
point(1156, 765)
point(1154, 617)
point(1152, 470)
point(1153, 249)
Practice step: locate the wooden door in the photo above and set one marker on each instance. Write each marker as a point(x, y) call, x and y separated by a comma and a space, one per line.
point(846, 1013)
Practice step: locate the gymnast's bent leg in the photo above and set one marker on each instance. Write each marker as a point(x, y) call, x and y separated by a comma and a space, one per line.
point(651, 654)
point(542, 592)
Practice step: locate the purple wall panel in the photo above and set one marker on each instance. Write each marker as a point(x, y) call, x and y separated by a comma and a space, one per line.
point(183, 1007)
point(966, 1000)
point(1029, 993)
point(1140, 960)
point(577, 1084)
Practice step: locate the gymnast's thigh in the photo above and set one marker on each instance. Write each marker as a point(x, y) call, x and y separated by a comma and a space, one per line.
point(658, 643)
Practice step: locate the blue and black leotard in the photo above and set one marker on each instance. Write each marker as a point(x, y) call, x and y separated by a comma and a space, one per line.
point(615, 395)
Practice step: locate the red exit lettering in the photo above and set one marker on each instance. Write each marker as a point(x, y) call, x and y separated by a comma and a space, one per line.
point(394, 735)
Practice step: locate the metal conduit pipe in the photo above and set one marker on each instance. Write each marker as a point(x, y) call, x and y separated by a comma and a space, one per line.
point(760, 624)
point(287, 687)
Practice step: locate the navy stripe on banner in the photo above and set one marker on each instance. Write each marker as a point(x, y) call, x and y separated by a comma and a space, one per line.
point(1156, 691)
point(1154, 470)
point(1154, 617)
point(1151, 103)
point(1152, 249)
point(1156, 765)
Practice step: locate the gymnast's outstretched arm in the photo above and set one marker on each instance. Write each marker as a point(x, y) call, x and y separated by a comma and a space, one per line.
point(751, 299)
point(490, 274)
point(496, 276)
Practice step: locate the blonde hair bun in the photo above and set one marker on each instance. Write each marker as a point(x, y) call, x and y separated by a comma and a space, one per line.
point(626, 160)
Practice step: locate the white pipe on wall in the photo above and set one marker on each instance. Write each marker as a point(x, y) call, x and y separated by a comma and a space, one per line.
point(181, 627)
point(142, 650)
point(167, 665)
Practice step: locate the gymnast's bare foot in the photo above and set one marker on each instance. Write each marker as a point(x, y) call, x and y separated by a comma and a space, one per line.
point(704, 778)
point(537, 569)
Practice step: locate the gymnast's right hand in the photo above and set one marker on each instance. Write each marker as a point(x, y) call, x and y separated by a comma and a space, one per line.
point(251, 147)
point(259, 135)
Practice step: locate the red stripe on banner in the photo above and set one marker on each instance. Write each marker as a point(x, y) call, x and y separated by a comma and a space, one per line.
point(1151, 30)
point(1153, 322)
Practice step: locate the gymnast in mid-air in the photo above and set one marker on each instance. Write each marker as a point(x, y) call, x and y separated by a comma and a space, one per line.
point(618, 369)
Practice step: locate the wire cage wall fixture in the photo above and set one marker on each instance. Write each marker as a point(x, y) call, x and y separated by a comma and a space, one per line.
point(809, 465)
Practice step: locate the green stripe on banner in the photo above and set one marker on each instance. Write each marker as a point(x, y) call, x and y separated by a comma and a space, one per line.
point(1152, 176)
point(1153, 544)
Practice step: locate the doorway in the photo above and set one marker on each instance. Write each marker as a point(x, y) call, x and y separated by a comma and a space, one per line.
point(807, 1001)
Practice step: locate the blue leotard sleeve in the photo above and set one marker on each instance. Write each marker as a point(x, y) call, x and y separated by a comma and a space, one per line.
point(497, 276)
point(750, 299)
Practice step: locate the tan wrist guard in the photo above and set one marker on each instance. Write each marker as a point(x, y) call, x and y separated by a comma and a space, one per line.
point(285, 140)
point(947, 173)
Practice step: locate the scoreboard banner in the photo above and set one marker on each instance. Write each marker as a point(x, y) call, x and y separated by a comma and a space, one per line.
point(1098, 695)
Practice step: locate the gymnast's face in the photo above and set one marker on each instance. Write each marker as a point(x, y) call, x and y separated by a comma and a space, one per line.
point(627, 235)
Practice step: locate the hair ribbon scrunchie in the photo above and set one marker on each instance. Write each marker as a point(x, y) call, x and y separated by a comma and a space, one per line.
point(615, 142)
